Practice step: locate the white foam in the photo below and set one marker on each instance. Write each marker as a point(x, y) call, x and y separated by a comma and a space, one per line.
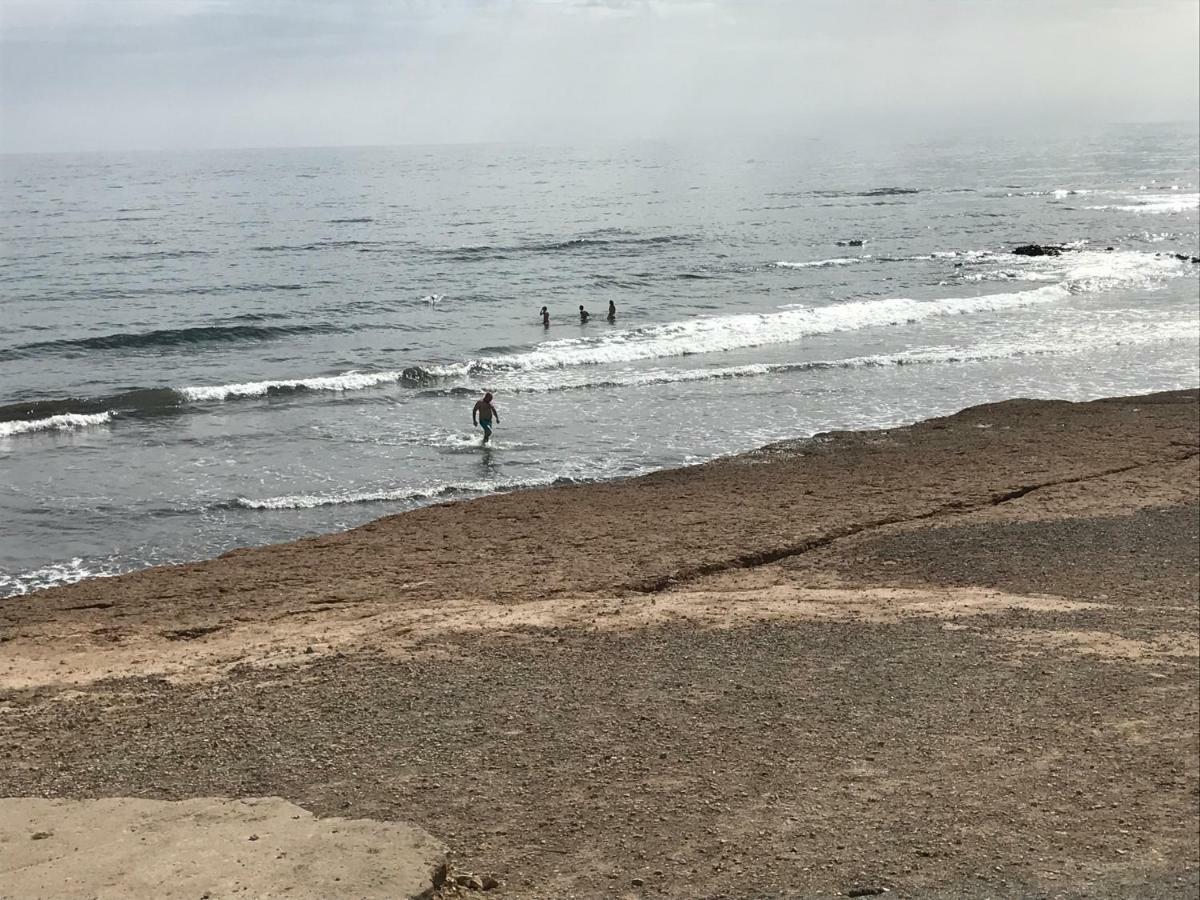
point(451, 441)
point(1100, 270)
point(1154, 204)
point(346, 381)
point(1006, 275)
point(314, 501)
point(821, 263)
point(65, 422)
point(720, 333)
point(1076, 341)
point(1072, 273)
point(48, 577)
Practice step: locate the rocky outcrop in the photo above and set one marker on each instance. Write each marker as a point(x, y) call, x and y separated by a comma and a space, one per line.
point(1039, 250)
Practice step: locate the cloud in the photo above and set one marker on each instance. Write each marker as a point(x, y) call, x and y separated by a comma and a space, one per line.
point(78, 74)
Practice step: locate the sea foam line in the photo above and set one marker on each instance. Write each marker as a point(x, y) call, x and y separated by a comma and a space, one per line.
point(1153, 204)
point(65, 422)
point(821, 263)
point(721, 333)
point(1167, 332)
point(53, 575)
point(1083, 271)
point(346, 381)
point(670, 339)
point(467, 488)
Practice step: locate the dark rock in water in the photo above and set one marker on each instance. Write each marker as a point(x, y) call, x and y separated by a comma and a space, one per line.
point(1183, 257)
point(1038, 250)
point(865, 892)
point(857, 242)
point(415, 375)
point(1107, 249)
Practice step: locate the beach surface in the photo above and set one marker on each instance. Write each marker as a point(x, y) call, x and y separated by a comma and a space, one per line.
point(953, 659)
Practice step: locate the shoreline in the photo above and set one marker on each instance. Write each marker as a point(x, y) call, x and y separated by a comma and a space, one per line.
point(784, 447)
point(726, 679)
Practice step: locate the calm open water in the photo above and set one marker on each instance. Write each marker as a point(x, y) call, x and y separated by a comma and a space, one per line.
point(208, 350)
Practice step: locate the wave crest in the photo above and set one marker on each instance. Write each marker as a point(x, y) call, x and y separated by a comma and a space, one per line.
point(398, 495)
point(821, 263)
point(65, 422)
point(166, 338)
point(346, 381)
point(721, 333)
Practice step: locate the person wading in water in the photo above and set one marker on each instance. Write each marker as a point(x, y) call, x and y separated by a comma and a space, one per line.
point(482, 415)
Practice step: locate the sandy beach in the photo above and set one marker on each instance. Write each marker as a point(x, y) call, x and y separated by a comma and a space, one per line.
point(953, 659)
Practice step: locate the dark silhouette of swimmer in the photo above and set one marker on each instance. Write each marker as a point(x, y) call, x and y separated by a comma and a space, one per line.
point(545, 317)
point(612, 311)
point(482, 415)
point(583, 313)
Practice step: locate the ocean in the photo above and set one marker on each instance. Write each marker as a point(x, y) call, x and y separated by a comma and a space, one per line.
point(216, 349)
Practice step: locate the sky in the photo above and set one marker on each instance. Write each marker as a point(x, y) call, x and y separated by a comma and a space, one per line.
point(168, 74)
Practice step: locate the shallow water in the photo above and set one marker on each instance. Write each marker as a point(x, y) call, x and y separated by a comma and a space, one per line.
point(209, 350)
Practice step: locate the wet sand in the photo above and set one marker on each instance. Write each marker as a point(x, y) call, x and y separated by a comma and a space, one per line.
point(956, 659)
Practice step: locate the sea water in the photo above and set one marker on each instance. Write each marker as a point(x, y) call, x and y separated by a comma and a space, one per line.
point(209, 350)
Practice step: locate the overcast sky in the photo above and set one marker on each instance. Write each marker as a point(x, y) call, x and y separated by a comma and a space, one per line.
point(127, 74)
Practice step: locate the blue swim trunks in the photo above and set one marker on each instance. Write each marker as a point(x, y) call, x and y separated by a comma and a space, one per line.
point(486, 425)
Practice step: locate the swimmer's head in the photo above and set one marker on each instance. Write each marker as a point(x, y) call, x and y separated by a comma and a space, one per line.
point(487, 396)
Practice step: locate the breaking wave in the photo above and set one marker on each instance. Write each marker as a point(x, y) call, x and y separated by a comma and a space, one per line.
point(721, 333)
point(821, 263)
point(1133, 335)
point(65, 422)
point(1079, 272)
point(346, 381)
point(137, 402)
point(51, 576)
point(398, 495)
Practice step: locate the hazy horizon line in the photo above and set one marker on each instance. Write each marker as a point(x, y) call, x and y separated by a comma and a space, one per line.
point(828, 133)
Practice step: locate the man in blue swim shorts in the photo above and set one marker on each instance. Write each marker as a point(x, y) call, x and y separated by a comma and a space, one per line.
point(482, 415)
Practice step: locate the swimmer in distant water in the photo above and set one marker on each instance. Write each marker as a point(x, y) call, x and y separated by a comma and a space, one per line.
point(545, 314)
point(612, 311)
point(482, 415)
point(583, 314)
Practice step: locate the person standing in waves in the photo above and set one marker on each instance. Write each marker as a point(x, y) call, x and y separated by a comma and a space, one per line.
point(482, 415)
